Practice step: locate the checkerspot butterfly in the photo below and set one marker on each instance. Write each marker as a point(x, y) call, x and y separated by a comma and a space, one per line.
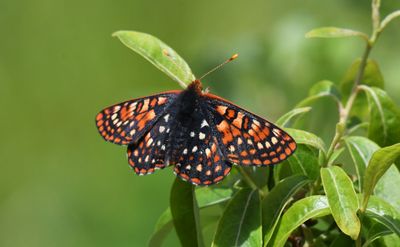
point(199, 133)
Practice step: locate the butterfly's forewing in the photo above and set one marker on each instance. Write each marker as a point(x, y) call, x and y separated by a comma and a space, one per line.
point(126, 122)
point(247, 138)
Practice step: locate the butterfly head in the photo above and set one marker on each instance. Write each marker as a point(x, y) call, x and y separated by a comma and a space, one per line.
point(196, 86)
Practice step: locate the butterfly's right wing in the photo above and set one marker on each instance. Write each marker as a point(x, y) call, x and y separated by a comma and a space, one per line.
point(127, 122)
point(247, 138)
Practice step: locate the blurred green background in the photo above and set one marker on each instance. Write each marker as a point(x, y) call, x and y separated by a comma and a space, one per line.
point(60, 183)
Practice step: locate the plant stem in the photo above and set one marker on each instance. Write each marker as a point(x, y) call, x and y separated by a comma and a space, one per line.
point(344, 112)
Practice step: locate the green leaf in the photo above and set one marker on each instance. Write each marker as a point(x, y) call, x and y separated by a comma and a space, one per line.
point(361, 150)
point(341, 241)
point(297, 214)
point(185, 211)
point(372, 77)
point(335, 155)
point(240, 224)
point(286, 119)
point(304, 161)
point(163, 227)
point(384, 213)
point(335, 32)
point(159, 54)
point(320, 90)
point(307, 138)
point(208, 196)
point(342, 200)
point(380, 162)
point(384, 117)
point(391, 240)
point(276, 201)
point(386, 188)
point(389, 18)
point(376, 231)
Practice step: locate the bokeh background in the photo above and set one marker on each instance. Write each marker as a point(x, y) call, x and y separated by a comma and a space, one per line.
point(60, 183)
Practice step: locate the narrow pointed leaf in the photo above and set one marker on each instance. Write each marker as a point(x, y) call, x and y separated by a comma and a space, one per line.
point(361, 150)
point(305, 161)
point(159, 54)
point(184, 211)
point(384, 117)
point(240, 224)
point(320, 90)
point(286, 119)
point(335, 32)
point(276, 200)
point(384, 213)
point(342, 200)
point(163, 227)
point(307, 138)
point(297, 214)
point(380, 162)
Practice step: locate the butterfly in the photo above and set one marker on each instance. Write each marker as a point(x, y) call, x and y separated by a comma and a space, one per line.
point(200, 134)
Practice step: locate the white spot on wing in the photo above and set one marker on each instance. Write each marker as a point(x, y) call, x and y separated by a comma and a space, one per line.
point(192, 134)
point(161, 129)
point(201, 136)
point(276, 132)
point(166, 117)
point(194, 149)
point(204, 123)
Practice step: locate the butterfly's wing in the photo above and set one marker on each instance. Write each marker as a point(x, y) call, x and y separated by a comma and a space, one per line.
point(246, 138)
point(127, 122)
point(148, 154)
point(197, 156)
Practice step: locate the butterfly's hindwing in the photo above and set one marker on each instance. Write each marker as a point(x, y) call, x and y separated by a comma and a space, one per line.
point(127, 122)
point(199, 159)
point(148, 154)
point(247, 138)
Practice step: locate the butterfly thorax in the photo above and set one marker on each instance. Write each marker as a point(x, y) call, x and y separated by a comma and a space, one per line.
point(187, 114)
point(189, 99)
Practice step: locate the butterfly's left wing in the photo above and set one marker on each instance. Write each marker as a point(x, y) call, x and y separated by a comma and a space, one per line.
point(247, 138)
point(126, 122)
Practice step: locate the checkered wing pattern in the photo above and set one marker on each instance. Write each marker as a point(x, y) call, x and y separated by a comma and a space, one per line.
point(127, 122)
point(148, 154)
point(198, 158)
point(247, 138)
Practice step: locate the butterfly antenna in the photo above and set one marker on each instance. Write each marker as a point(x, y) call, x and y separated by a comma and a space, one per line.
point(233, 57)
